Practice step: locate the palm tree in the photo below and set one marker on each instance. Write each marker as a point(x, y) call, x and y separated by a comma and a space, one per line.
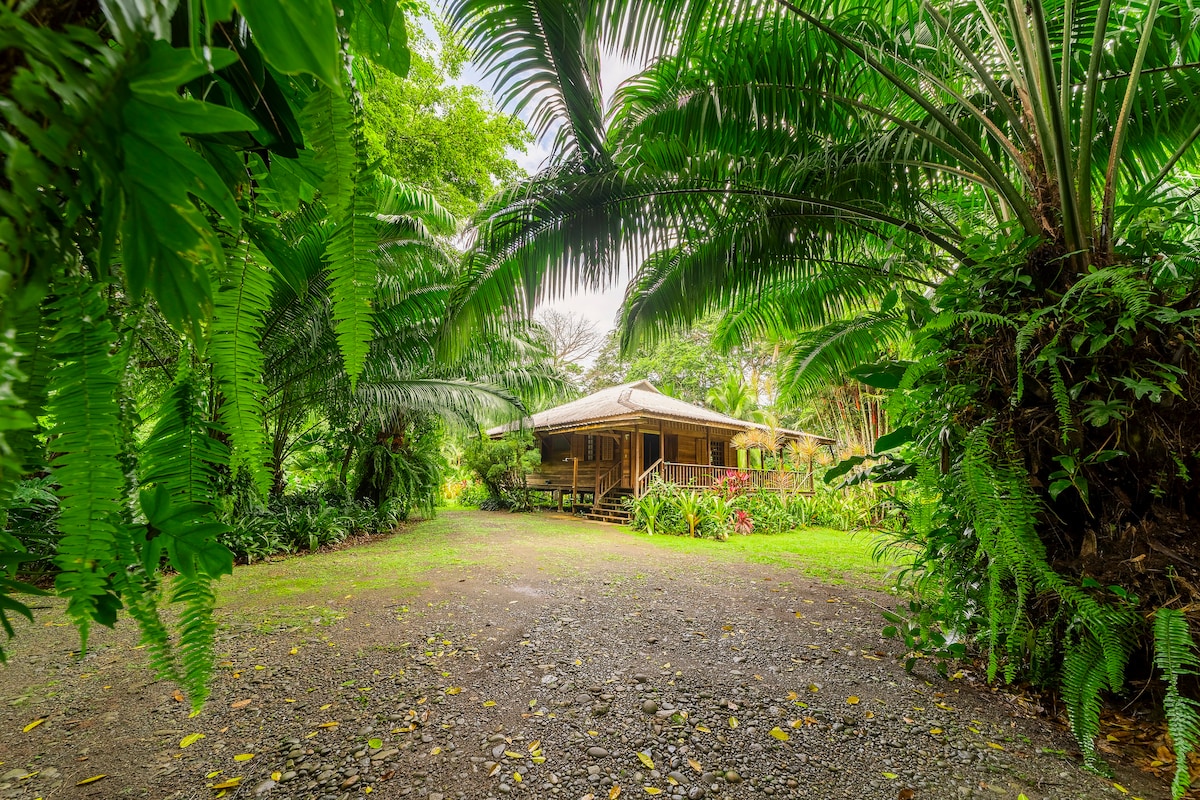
point(406, 374)
point(732, 397)
point(1008, 188)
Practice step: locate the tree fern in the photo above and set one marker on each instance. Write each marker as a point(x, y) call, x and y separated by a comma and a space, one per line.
point(1176, 655)
point(241, 302)
point(84, 419)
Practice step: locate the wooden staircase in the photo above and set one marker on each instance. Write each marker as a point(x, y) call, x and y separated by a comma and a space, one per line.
point(611, 508)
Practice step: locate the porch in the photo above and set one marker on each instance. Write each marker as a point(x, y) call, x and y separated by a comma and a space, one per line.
point(706, 476)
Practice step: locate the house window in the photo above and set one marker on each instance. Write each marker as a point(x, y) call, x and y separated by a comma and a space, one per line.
point(589, 448)
point(607, 448)
point(716, 454)
point(671, 448)
point(546, 450)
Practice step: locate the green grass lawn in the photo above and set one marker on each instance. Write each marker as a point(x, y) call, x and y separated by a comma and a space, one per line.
point(828, 555)
point(460, 539)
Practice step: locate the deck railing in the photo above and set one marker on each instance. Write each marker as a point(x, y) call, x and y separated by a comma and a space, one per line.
point(606, 482)
point(704, 476)
point(643, 480)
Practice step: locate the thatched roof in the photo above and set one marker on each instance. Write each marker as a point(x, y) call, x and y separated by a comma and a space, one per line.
point(628, 403)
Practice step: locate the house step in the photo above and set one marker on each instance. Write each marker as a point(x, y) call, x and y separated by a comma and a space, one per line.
point(615, 516)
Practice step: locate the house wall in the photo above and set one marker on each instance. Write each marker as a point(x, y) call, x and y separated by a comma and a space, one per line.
point(559, 451)
point(625, 448)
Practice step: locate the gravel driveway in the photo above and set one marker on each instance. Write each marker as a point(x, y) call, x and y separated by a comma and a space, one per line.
point(574, 660)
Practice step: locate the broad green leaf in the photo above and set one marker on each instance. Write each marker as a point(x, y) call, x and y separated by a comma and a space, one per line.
point(297, 36)
point(377, 31)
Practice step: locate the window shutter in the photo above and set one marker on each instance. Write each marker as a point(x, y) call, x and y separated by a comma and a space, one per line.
point(577, 447)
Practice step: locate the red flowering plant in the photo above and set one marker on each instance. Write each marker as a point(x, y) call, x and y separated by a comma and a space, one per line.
point(742, 523)
point(733, 484)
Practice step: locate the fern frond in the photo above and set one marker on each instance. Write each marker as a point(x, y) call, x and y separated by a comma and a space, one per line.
point(1176, 654)
point(1083, 680)
point(334, 120)
point(197, 630)
point(328, 120)
point(241, 303)
point(84, 419)
point(1062, 400)
point(179, 468)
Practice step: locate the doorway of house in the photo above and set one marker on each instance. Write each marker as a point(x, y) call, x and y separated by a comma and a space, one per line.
point(651, 449)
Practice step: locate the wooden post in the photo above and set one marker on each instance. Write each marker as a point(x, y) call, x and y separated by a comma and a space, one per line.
point(574, 483)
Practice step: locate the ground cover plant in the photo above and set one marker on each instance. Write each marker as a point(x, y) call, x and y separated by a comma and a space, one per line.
point(987, 210)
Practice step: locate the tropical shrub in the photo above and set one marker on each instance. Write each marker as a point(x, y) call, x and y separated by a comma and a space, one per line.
point(503, 466)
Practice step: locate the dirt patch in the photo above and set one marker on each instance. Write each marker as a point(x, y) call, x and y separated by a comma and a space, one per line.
point(556, 661)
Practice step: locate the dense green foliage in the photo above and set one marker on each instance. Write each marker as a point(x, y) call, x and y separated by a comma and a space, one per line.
point(205, 286)
point(1002, 193)
point(503, 466)
point(447, 138)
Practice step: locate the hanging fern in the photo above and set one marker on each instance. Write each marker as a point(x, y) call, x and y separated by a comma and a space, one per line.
point(241, 302)
point(334, 121)
point(1176, 655)
point(84, 419)
point(179, 470)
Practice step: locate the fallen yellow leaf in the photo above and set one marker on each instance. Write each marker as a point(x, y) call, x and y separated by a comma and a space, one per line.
point(614, 792)
point(243, 756)
point(454, 690)
point(694, 764)
point(780, 734)
point(733, 722)
point(92, 779)
point(646, 760)
point(995, 746)
point(190, 739)
point(489, 703)
point(534, 745)
point(653, 790)
point(703, 728)
point(293, 651)
point(332, 724)
point(276, 775)
point(891, 776)
point(852, 700)
point(232, 783)
point(1120, 788)
point(513, 754)
point(33, 725)
point(240, 704)
point(435, 751)
point(517, 777)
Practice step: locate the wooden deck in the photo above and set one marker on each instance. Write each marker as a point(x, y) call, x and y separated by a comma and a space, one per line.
point(704, 476)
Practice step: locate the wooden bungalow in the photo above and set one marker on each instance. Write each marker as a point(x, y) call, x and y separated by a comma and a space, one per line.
point(609, 445)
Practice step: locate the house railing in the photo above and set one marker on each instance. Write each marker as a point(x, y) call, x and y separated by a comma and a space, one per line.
point(643, 480)
point(704, 476)
point(606, 482)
